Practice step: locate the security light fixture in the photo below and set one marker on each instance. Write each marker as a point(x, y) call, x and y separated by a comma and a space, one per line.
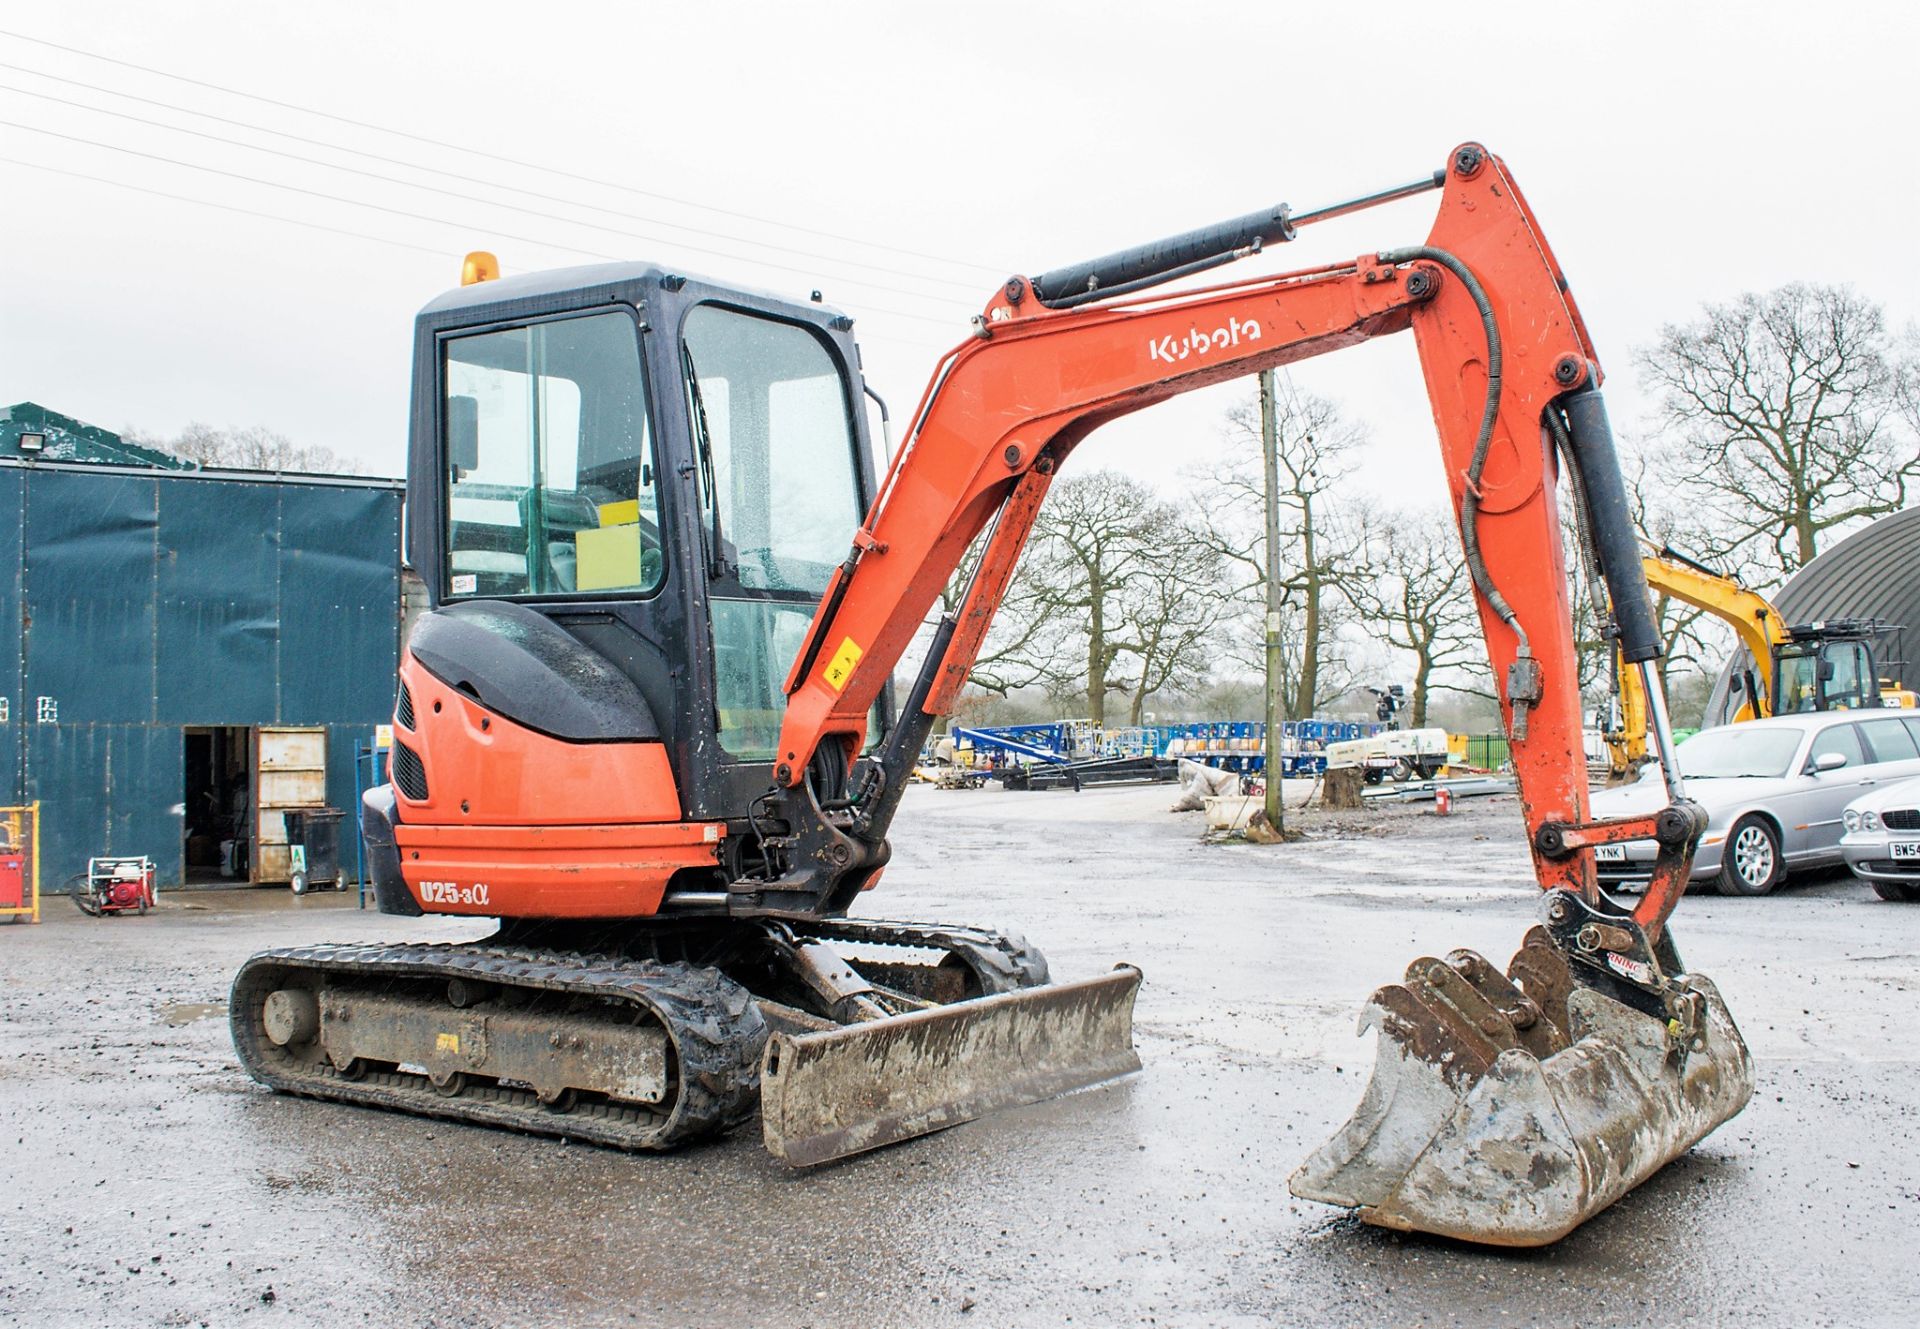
point(32, 442)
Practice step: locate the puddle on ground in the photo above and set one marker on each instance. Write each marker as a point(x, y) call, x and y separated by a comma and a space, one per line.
point(187, 1012)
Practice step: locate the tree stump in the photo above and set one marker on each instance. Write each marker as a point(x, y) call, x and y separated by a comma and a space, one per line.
point(1340, 788)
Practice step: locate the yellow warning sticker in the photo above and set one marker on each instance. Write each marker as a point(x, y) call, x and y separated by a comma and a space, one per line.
point(840, 668)
point(447, 1043)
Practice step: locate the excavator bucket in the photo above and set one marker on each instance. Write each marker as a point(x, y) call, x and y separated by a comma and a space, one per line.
point(1509, 1110)
point(844, 1091)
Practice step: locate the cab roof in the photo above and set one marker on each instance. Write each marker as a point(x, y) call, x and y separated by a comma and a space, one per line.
point(550, 284)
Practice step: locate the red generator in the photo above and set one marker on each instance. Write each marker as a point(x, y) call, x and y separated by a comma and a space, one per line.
point(116, 886)
point(15, 886)
point(20, 864)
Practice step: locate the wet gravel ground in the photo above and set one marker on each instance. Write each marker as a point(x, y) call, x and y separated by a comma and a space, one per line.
point(147, 1181)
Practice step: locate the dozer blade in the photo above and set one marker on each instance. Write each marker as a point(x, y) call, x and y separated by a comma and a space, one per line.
point(1510, 1116)
point(844, 1091)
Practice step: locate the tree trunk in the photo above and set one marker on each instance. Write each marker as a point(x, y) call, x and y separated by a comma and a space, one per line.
point(1309, 690)
point(1803, 528)
point(1342, 788)
point(1422, 670)
point(1096, 652)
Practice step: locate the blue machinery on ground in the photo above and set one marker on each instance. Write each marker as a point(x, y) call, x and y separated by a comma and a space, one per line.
point(1234, 745)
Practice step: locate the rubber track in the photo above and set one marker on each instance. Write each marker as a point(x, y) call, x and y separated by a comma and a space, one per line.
point(715, 1027)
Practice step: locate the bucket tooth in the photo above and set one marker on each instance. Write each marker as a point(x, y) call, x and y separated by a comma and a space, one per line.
point(1519, 1149)
point(844, 1091)
point(1540, 970)
point(1419, 1077)
point(1448, 984)
point(1532, 1029)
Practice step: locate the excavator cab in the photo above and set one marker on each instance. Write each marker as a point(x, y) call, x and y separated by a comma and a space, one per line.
point(628, 490)
point(661, 470)
point(1831, 665)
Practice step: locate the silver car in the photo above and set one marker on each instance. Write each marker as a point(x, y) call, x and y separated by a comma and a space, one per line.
point(1882, 840)
point(1774, 791)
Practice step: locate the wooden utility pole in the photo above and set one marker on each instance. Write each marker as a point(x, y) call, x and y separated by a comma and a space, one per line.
point(1276, 716)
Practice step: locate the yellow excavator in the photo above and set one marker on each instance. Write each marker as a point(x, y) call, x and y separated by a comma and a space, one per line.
point(1826, 665)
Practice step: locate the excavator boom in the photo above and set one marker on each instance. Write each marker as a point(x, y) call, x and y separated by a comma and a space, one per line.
point(1509, 370)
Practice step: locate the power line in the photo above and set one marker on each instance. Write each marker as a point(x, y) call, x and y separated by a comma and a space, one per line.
point(378, 207)
point(296, 189)
point(972, 288)
point(41, 99)
point(494, 156)
point(866, 337)
point(443, 254)
point(228, 207)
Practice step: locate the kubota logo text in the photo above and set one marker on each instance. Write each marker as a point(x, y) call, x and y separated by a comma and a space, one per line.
point(1231, 333)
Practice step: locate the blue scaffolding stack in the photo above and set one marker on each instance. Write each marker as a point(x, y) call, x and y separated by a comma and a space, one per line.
point(1234, 745)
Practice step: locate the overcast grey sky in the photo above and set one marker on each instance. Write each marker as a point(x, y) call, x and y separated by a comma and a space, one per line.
point(901, 158)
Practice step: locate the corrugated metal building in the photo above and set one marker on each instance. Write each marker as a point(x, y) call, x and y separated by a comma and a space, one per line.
point(28, 429)
point(183, 651)
point(1870, 574)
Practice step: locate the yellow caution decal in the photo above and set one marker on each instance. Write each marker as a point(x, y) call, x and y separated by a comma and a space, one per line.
point(840, 668)
point(447, 1043)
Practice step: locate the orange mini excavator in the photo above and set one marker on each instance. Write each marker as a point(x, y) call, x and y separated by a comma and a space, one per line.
point(647, 726)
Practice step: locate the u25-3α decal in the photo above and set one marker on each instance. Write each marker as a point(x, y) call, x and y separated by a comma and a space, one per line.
point(452, 892)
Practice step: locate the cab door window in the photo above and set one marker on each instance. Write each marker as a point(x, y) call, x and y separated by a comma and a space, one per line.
point(1845, 676)
point(553, 483)
point(779, 485)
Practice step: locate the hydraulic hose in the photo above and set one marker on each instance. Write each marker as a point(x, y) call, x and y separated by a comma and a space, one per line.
point(1483, 443)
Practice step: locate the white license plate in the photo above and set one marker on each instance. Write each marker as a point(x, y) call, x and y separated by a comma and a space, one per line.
point(1903, 851)
point(1614, 853)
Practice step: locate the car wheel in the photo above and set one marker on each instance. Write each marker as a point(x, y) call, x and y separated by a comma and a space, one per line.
point(1750, 861)
point(1899, 891)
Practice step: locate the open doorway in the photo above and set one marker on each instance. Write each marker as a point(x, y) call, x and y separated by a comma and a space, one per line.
point(219, 805)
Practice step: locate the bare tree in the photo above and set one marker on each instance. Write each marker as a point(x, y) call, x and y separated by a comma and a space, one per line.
point(1110, 597)
point(1315, 444)
point(255, 448)
point(1175, 608)
point(1690, 638)
point(1417, 596)
point(1021, 645)
point(1785, 407)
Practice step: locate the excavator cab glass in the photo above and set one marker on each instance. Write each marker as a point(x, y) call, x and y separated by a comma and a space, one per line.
point(1824, 676)
point(776, 460)
point(1847, 676)
point(551, 474)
